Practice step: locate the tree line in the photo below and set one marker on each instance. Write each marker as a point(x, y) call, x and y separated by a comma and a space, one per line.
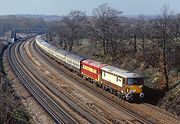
point(11, 22)
point(154, 40)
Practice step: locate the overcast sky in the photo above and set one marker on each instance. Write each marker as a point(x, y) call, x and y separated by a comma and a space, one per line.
point(63, 7)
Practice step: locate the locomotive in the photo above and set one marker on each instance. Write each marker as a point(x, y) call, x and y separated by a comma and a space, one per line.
point(118, 81)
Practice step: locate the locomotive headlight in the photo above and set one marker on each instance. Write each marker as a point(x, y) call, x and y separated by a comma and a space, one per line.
point(141, 86)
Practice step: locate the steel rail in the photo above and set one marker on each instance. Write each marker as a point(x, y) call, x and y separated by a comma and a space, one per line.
point(39, 95)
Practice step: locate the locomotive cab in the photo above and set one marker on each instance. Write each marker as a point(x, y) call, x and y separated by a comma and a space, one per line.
point(134, 88)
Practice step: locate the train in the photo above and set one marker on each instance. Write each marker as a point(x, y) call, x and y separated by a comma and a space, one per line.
point(120, 82)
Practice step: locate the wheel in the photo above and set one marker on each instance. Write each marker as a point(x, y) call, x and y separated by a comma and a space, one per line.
point(123, 97)
point(100, 85)
point(111, 91)
point(84, 77)
point(104, 87)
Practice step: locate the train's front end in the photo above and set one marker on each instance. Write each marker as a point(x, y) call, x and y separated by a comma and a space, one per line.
point(134, 88)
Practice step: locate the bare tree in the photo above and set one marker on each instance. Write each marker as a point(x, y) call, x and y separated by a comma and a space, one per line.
point(177, 26)
point(106, 27)
point(163, 27)
point(142, 28)
point(74, 24)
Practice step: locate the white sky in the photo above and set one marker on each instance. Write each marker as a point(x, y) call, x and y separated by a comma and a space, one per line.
point(63, 7)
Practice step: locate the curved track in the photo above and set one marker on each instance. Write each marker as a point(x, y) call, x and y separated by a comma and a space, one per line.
point(15, 59)
point(48, 94)
point(39, 85)
point(43, 90)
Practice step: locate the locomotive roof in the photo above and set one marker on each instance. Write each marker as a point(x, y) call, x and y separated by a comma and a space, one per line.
point(75, 57)
point(120, 72)
point(93, 63)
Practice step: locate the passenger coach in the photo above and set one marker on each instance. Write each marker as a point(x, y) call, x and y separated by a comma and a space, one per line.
point(73, 62)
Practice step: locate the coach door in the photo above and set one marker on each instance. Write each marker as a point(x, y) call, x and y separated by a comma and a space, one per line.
point(120, 81)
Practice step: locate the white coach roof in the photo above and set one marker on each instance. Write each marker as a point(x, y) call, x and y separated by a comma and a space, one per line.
point(120, 72)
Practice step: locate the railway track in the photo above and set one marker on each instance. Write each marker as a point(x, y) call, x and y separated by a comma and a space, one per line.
point(94, 91)
point(33, 78)
point(16, 62)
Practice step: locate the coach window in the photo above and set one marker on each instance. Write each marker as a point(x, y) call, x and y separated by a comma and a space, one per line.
point(120, 79)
